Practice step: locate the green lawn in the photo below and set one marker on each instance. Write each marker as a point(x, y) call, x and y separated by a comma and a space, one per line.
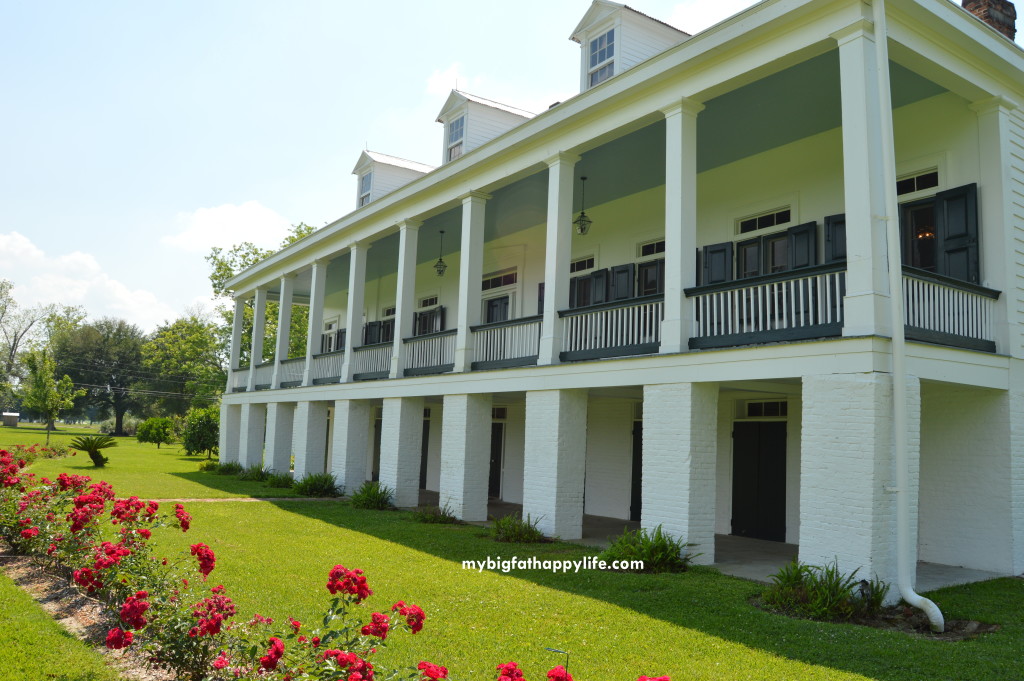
point(274, 558)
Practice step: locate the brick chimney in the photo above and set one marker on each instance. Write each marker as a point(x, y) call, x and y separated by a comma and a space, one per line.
point(999, 14)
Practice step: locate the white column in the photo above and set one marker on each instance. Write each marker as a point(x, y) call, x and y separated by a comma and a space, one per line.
point(866, 305)
point(253, 426)
point(405, 294)
point(680, 454)
point(400, 448)
point(471, 272)
point(259, 331)
point(997, 221)
point(309, 438)
point(236, 341)
point(466, 455)
point(847, 511)
point(352, 422)
point(558, 251)
point(555, 461)
point(315, 328)
point(354, 311)
point(230, 425)
point(284, 326)
point(680, 222)
point(278, 443)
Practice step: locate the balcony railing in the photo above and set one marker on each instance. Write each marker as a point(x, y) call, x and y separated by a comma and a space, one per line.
point(239, 379)
point(291, 372)
point(788, 306)
point(512, 343)
point(264, 376)
point(432, 353)
point(372, 361)
point(948, 311)
point(618, 329)
point(326, 367)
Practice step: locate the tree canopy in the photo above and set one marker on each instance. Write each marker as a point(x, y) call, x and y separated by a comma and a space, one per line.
point(184, 363)
point(42, 393)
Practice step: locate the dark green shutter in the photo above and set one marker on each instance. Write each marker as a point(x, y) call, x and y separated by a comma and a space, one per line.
point(718, 263)
point(622, 281)
point(956, 218)
point(599, 287)
point(835, 238)
point(371, 333)
point(746, 251)
point(803, 245)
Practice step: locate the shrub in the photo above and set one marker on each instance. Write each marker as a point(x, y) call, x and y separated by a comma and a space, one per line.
point(433, 514)
point(157, 430)
point(229, 468)
point(209, 466)
point(202, 430)
point(317, 485)
point(280, 480)
point(659, 552)
point(92, 444)
point(31, 453)
point(512, 528)
point(824, 592)
point(255, 473)
point(373, 496)
point(129, 426)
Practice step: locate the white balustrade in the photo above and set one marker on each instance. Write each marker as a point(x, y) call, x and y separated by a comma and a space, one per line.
point(327, 365)
point(508, 341)
point(946, 308)
point(634, 324)
point(372, 358)
point(433, 350)
point(239, 379)
point(264, 374)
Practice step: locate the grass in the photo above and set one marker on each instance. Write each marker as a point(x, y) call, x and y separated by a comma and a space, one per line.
point(34, 646)
point(695, 625)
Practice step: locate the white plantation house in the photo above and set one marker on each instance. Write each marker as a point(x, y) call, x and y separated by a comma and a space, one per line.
point(668, 298)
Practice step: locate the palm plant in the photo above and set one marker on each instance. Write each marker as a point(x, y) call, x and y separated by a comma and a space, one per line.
point(92, 444)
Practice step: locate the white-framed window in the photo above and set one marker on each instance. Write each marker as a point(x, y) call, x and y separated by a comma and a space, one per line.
point(581, 264)
point(456, 137)
point(917, 182)
point(650, 249)
point(332, 338)
point(429, 301)
point(365, 183)
point(602, 58)
point(769, 219)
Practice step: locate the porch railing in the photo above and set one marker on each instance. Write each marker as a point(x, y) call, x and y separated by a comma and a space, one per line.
point(948, 311)
point(626, 327)
point(264, 375)
point(431, 353)
point(291, 372)
point(372, 361)
point(512, 343)
point(807, 303)
point(326, 367)
point(239, 379)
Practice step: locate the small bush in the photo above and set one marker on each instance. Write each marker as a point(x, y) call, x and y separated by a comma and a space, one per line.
point(317, 485)
point(254, 473)
point(513, 529)
point(209, 466)
point(229, 468)
point(824, 593)
point(92, 444)
point(433, 514)
point(374, 496)
point(129, 426)
point(157, 430)
point(280, 480)
point(659, 552)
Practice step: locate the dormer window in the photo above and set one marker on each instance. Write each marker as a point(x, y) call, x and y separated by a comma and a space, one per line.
point(365, 182)
point(456, 133)
point(602, 58)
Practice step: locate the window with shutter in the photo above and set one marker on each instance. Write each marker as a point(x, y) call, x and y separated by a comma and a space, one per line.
point(599, 287)
point(748, 258)
point(956, 220)
point(650, 278)
point(835, 238)
point(803, 245)
point(717, 263)
point(371, 333)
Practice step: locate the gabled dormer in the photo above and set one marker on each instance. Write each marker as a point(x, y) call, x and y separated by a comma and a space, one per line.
point(615, 38)
point(470, 121)
point(379, 174)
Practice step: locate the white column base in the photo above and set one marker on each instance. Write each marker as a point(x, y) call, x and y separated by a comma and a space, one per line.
point(280, 423)
point(465, 455)
point(250, 445)
point(400, 448)
point(351, 442)
point(309, 441)
point(230, 427)
point(555, 461)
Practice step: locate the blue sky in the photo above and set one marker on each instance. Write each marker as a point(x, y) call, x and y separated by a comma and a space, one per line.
point(138, 135)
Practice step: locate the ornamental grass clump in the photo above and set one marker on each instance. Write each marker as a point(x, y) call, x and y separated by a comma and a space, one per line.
point(373, 496)
point(513, 529)
point(254, 473)
point(229, 468)
point(658, 551)
point(317, 485)
point(824, 593)
point(435, 515)
point(280, 480)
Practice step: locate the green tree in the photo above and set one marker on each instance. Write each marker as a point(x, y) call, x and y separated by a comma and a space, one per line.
point(19, 327)
point(43, 393)
point(157, 430)
point(202, 430)
point(185, 363)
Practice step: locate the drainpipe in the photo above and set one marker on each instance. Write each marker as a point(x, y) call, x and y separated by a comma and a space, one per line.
point(904, 565)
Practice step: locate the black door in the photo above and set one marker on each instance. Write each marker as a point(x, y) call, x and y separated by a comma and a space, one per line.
point(636, 488)
point(497, 449)
point(759, 480)
point(424, 449)
point(496, 310)
point(375, 468)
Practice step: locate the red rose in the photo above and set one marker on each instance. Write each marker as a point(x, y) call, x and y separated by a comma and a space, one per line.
point(433, 671)
point(559, 674)
point(204, 554)
point(117, 639)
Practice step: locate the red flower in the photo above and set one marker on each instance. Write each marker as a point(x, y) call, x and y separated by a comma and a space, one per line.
point(377, 627)
point(133, 609)
point(222, 660)
point(432, 671)
point(184, 519)
point(210, 614)
point(559, 674)
point(30, 532)
point(348, 581)
point(87, 579)
point(413, 615)
point(654, 678)
point(356, 667)
point(509, 672)
point(117, 639)
point(204, 554)
point(296, 625)
point(274, 653)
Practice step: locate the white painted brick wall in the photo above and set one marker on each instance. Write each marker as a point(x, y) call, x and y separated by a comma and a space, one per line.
point(400, 448)
point(309, 438)
point(1016, 398)
point(555, 461)
point(230, 426)
point(351, 442)
point(280, 421)
point(680, 459)
point(434, 448)
point(250, 441)
point(465, 455)
point(609, 457)
point(515, 438)
point(966, 478)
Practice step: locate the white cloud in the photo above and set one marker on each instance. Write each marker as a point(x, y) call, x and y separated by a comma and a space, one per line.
point(694, 16)
point(227, 225)
point(75, 278)
point(441, 82)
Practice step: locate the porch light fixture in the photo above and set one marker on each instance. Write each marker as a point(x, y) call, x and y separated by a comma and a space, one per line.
point(561, 652)
point(440, 266)
point(582, 221)
point(925, 233)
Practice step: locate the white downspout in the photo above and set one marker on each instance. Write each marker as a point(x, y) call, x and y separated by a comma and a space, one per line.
point(904, 566)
